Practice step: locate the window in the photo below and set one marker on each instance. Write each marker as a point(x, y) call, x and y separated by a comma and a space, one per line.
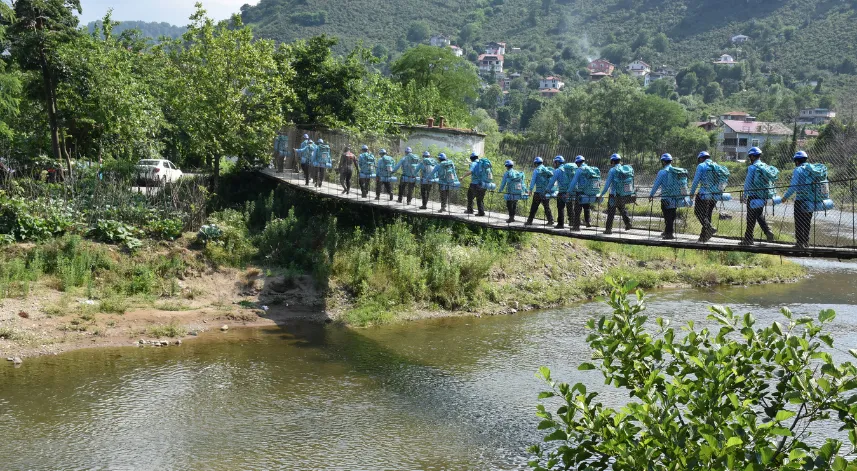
point(742, 142)
point(755, 143)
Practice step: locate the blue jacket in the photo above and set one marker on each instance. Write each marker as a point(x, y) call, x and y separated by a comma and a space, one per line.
point(425, 170)
point(750, 190)
point(669, 186)
point(363, 165)
point(449, 185)
point(801, 185)
point(539, 182)
point(608, 184)
point(511, 194)
point(560, 179)
point(704, 179)
point(410, 165)
point(307, 150)
point(281, 144)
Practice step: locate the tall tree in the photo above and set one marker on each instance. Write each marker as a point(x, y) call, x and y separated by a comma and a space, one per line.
point(229, 91)
point(10, 84)
point(40, 27)
point(427, 66)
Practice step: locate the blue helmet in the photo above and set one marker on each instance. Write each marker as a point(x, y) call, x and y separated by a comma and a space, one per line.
point(306, 136)
point(579, 159)
point(615, 158)
point(321, 141)
point(559, 159)
point(801, 155)
point(703, 155)
point(754, 151)
point(538, 160)
point(441, 157)
point(426, 154)
point(474, 154)
point(408, 150)
point(382, 152)
point(509, 164)
point(364, 148)
point(666, 158)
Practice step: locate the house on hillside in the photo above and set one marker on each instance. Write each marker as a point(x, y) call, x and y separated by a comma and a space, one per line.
point(740, 39)
point(638, 68)
point(708, 126)
point(439, 40)
point(495, 48)
point(457, 51)
point(489, 63)
point(738, 136)
point(600, 68)
point(816, 116)
point(735, 116)
point(551, 83)
point(726, 59)
point(548, 92)
point(662, 72)
point(505, 83)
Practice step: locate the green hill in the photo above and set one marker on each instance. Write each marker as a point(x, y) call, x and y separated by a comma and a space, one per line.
point(798, 39)
point(152, 30)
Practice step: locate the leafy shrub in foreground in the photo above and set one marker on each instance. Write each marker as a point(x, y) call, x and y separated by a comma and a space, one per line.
point(731, 397)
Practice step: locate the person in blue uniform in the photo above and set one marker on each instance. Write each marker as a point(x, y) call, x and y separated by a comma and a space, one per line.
point(539, 182)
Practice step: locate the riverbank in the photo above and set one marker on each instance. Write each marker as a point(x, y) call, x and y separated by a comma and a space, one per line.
point(172, 291)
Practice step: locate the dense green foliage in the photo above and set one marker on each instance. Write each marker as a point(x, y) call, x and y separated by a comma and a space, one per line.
point(728, 396)
point(147, 29)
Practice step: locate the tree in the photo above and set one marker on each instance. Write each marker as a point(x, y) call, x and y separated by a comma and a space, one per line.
point(10, 83)
point(687, 84)
point(661, 42)
point(617, 53)
point(40, 27)
point(469, 32)
point(662, 88)
point(427, 66)
point(733, 396)
point(229, 90)
point(418, 31)
point(713, 92)
point(491, 98)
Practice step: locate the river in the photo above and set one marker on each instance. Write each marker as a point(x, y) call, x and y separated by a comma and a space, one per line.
point(449, 394)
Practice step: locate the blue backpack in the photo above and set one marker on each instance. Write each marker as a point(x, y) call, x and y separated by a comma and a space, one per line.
point(623, 181)
point(324, 156)
point(765, 180)
point(446, 174)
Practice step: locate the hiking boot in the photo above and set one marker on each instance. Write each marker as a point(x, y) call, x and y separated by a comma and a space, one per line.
point(668, 237)
point(550, 223)
point(801, 246)
point(510, 220)
point(745, 243)
point(400, 200)
point(575, 229)
point(770, 237)
point(377, 198)
point(423, 207)
point(480, 214)
point(468, 211)
point(628, 227)
point(442, 210)
point(528, 223)
point(559, 226)
point(608, 232)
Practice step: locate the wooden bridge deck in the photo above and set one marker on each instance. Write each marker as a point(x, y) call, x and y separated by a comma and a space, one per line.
point(497, 220)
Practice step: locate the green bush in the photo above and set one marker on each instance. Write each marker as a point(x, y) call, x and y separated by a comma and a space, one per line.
point(109, 230)
point(165, 229)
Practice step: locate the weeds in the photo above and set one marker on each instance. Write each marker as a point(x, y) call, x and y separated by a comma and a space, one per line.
point(172, 306)
point(8, 333)
point(171, 330)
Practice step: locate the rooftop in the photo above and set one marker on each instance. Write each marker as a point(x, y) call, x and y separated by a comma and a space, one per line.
point(444, 130)
point(758, 127)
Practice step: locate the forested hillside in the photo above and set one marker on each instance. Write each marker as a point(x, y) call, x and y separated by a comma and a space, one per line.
point(152, 30)
point(794, 38)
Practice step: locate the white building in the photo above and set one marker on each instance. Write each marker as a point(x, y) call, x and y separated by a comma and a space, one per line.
point(737, 137)
point(638, 68)
point(816, 116)
point(495, 48)
point(726, 59)
point(551, 83)
point(457, 51)
point(439, 40)
point(489, 63)
point(740, 39)
point(441, 139)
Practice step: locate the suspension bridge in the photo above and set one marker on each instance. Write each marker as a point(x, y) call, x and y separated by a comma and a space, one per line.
point(834, 233)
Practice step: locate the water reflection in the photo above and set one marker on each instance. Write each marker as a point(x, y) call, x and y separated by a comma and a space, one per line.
point(439, 394)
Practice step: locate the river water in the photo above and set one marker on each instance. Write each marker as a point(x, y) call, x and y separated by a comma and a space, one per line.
point(451, 394)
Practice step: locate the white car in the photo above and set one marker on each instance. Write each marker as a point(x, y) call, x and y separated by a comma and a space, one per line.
point(158, 170)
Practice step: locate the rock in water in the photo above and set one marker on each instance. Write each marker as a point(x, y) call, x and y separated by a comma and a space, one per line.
point(224, 328)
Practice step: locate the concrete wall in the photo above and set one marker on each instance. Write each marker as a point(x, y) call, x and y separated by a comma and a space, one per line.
point(425, 139)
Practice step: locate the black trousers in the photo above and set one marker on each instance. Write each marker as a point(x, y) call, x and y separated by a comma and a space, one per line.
point(364, 186)
point(578, 209)
point(512, 207)
point(345, 180)
point(755, 215)
point(406, 189)
point(386, 186)
point(704, 210)
point(319, 175)
point(444, 199)
point(803, 223)
point(669, 218)
point(280, 161)
point(561, 207)
point(425, 192)
point(539, 199)
point(305, 169)
point(476, 192)
point(617, 203)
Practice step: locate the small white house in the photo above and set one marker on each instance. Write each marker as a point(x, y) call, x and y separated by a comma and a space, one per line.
point(439, 40)
point(638, 68)
point(457, 51)
point(551, 83)
point(740, 39)
point(726, 59)
point(490, 63)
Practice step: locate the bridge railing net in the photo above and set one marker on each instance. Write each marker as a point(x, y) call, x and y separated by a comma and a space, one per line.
point(836, 227)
